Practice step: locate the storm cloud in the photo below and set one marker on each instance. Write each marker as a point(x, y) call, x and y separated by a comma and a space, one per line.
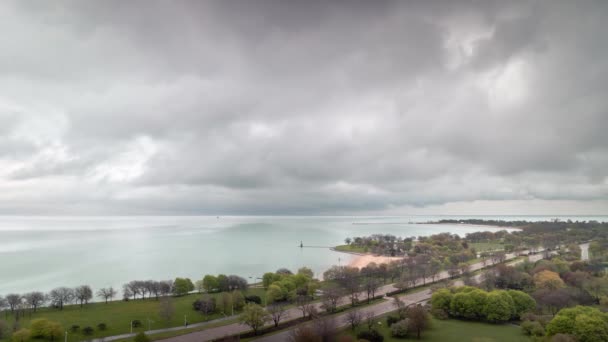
point(302, 107)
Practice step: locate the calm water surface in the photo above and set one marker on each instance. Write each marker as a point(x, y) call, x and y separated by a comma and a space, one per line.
point(40, 253)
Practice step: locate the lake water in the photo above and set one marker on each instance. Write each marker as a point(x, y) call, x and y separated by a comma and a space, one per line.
point(40, 253)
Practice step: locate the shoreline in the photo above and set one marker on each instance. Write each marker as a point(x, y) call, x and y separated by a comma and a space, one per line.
point(473, 225)
point(360, 260)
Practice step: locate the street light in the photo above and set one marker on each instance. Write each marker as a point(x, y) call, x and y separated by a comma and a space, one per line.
point(66, 336)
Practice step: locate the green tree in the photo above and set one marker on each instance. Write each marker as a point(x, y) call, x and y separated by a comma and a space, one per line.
point(589, 328)
point(238, 300)
point(181, 286)
point(499, 307)
point(254, 316)
point(587, 324)
point(210, 283)
point(522, 302)
point(441, 299)
point(306, 272)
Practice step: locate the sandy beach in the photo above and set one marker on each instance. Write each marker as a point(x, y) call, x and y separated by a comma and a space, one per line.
point(361, 261)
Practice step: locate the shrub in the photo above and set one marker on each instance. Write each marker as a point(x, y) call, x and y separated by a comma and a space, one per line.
point(102, 326)
point(371, 336)
point(21, 335)
point(74, 328)
point(532, 328)
point(440, 313)
point(400, 329)
point(390, 320)
point(141, 337)
point(136, 323)
point(88, 330)
point(253, 299)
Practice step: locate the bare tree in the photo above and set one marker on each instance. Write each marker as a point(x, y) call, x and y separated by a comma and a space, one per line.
point(353, 318)
point(331, 296)
point(370, 320)
point(34, 299)
point(277, 312)
point(165, 287)
point(106, 293)
point(304, 304)
point(400, 306)
point(371, 285)
point(83, 294)
point(166, 309)
point(61, 296)
point(13, 300)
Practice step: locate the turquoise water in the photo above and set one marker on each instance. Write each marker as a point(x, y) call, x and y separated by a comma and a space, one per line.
point(40, 253)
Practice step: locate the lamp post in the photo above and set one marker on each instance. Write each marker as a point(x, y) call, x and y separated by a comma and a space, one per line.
point(66, 336)
point(185, 321)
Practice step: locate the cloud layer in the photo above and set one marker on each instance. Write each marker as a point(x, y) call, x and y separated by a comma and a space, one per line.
point(328, 107)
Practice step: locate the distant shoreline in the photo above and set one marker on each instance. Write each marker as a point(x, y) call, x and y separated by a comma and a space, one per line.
point(473, 225)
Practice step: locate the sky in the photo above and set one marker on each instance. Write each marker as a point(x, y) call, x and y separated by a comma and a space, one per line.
point(303, 107)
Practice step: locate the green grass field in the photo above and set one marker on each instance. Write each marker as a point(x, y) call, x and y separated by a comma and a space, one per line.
point(119, 314)
point(350, 248)
point(458, 331)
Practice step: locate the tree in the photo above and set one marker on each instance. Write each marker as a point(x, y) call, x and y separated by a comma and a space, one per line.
point(304, 304)
point(21, 335)
point(83, 293)
point(210, 283)
point(106, 293)
point(330, 297)
point(400, 306)
point(166, 309)
point(254, 316)
point(371, 285)
point(353, 318)
point(441, 300)
point(13, 300)
point(226, 303)
point(499, 307)
point(522, 302)
point(418, 319)
point(548, 280)
point(34, 299)
point(182, 286)
point(277, 312)
point(222, 283)
point(306, 272)
point(596, 287)
point(553, 300)
point(587, 324)
point(238, 300)
point(61, 296)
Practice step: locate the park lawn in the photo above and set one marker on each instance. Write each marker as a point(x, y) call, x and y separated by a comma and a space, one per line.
point(350, 248)
point(487, 246)
point(117, 315)
point(457, 331)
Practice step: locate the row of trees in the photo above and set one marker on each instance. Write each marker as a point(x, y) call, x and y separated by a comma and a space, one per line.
point(472, 303)
point(221, 283)
point(58, 297)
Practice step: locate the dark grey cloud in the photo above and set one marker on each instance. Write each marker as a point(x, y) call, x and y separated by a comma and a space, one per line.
point(301, 107)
